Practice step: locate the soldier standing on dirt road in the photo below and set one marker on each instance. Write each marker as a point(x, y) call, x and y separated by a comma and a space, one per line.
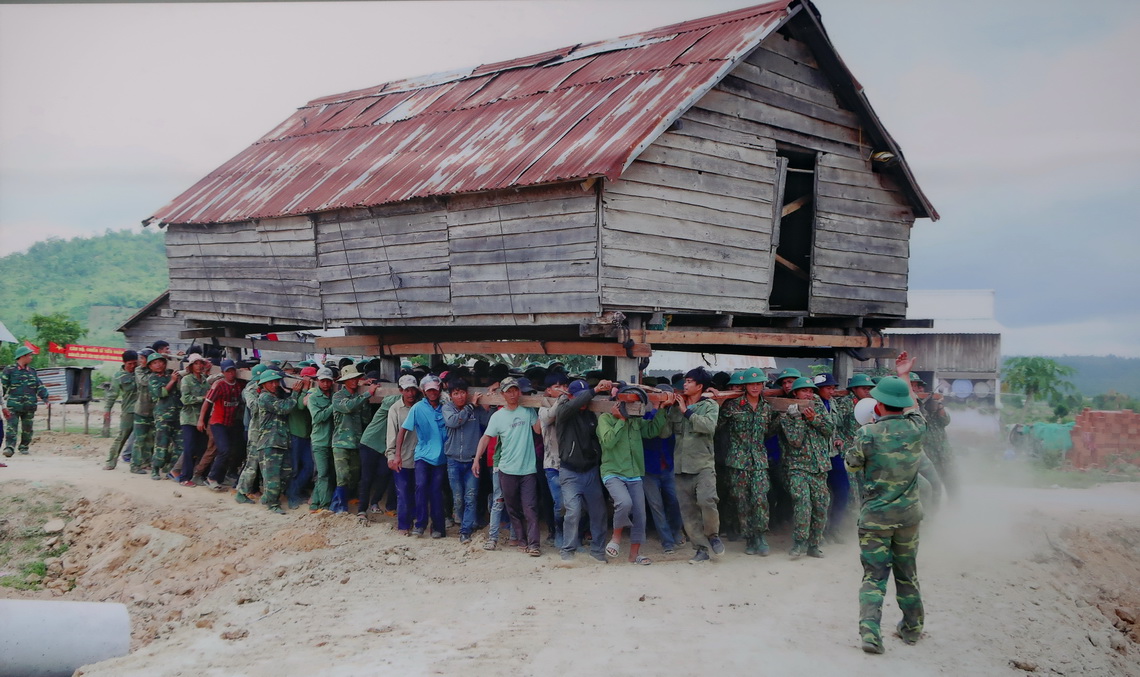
point(125, 389)
point(22, 386)
point(888, 456)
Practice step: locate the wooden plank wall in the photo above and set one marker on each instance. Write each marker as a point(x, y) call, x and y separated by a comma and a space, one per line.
point(779, 95)
point(252, 269)
point(979, 353)
point(478, 256)
point(160, 323)
point(688, 226)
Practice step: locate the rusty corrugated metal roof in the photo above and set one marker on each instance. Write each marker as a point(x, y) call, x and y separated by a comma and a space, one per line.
point(570, 113)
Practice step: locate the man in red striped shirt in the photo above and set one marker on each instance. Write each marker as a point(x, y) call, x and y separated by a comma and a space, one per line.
point(222, 405)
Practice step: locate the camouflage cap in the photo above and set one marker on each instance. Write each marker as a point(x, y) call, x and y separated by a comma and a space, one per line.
point(508, 383)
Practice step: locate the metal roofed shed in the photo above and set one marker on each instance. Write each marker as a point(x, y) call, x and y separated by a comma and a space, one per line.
point(960, 354)
point(726, 171)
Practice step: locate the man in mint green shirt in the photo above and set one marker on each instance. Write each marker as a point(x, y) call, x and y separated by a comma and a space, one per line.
point(515, 428)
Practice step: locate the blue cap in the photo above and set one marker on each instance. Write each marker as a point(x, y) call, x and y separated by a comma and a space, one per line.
point(556, 378)
point(825, 380)
point(228, 364)
point(524, 385)
point(578, 386)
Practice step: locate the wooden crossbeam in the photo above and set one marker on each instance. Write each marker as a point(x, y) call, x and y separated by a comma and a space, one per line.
point(796, 270)
point(795, 205)
point(265, 344)
point(740, 338)
point(371, 345)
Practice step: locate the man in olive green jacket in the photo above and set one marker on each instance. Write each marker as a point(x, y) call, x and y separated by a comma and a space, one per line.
point(124, 389)
point(693, 420)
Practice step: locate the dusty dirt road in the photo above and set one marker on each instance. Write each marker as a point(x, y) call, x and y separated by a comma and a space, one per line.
point(216, 588)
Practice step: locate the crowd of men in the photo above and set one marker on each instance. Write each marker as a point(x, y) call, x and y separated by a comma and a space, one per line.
point(707, 458)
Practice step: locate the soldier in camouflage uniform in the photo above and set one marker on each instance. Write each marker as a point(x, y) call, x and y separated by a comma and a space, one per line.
point(805, 444)
point(125, 390)
point(748, 421)
point(858, 388)
point(934, 442)
point(351, 416)
point(167, 400)
point(273, 405)
point(887, 454)
point(144, 411)
point(251, 469)
point(21, 387)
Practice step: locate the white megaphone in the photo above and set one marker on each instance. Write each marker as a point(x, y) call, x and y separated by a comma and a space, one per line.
point(865, 411)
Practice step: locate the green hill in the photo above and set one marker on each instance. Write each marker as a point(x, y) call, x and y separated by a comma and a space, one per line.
point(1096, 375)
point(97, 281)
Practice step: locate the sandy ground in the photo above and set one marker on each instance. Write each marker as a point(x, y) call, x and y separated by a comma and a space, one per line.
point(1033, 575)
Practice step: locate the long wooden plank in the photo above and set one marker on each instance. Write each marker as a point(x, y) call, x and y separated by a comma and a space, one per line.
point(262, 344)
point(583, 252)
point(853, 225)
point(781, 83)
point(856, 277)
point(864, 244)
point(523, 304)
point(577, 204)
point(741, 338)
point(790, 48)
point(685, 179)
point(634, 183)
point(749, 152)
point(700, 257)
point(462, 276)
point(515, 347)
point(527, 285)
point(526, 240)
point(855, 177)
point(624, 297)
point(836, 206)
point(679, 229)
point(733, 104)
point(767, 59)
point(693, 128)
point(370, 282)
point(861, 194)
point(703, 113)
point(870, 262)
point(754, 224)
point(786, 101)
point(532, 225)
point(672, 281)
point(734, 160)
point(832, 306)
point(861, 293)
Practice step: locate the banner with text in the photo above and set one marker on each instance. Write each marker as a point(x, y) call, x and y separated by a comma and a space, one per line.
point(94, 353)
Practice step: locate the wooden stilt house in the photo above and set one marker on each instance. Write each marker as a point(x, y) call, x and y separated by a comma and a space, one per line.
point(719, 184)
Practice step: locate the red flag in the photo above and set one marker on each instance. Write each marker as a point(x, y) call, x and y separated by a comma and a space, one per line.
point(34, 348)
point(54, 347)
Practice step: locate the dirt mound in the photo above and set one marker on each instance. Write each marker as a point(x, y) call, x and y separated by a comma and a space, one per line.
point(297, 539)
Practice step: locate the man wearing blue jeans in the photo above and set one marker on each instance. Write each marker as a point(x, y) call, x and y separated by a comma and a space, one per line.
point(581, 455)
point(464, 421)
point(401, 458)
point(426, 419)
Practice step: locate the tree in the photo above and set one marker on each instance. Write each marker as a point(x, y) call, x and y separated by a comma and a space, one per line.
point(1038, 378)
point(57, 328)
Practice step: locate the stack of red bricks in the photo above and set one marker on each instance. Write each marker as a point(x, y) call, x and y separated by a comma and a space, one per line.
point(1102, 437)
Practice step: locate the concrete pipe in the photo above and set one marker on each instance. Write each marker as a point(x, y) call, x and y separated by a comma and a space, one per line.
point(45, 639)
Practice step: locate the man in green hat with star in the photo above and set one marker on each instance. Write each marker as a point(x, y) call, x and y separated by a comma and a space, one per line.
point(22, 387)
point(274, 404)
point(805, 445)
point(749, 420)
point(887, 454)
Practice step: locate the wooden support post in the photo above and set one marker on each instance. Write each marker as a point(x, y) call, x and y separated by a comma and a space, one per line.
point(626, 369)
point(391, 368)
point(843, 368)
point(232, 352)
point(63, 425)
point(49, 416)
point(86, 418)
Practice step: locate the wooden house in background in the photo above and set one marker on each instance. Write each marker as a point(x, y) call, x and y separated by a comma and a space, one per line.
point(155, 321)
point(719, 185)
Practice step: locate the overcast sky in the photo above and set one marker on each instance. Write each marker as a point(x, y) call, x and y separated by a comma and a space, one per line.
point(1018, 118)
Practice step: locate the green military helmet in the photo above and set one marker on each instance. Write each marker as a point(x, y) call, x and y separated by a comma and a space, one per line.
point(737, 378)
point(915, 378)
point(790, 372)
point(860, 380)
point(893, 392)
point(257, 370)
point(753, 375)
point(876, 379)
point(803, 382)
point(23, 350)
point(305, 363)
point(154, 357)
point(269, 375)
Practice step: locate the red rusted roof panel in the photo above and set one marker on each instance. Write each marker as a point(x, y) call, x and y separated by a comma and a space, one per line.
point(569, 113)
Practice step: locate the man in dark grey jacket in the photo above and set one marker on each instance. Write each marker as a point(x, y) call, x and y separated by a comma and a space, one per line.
point(465, 421)
point(580, 454)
